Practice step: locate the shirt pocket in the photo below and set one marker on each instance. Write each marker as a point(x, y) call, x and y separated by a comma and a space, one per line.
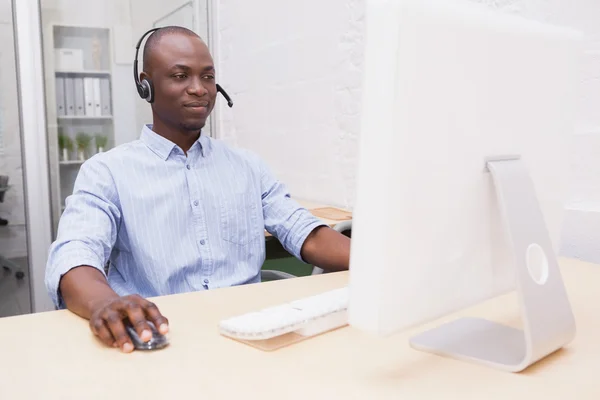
point(240, 220)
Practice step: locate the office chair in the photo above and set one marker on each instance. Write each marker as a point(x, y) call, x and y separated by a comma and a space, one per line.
point(273, 275)
point(344, 227)
point(10, 266)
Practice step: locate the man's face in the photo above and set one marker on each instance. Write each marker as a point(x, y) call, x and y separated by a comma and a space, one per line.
point(183, 75)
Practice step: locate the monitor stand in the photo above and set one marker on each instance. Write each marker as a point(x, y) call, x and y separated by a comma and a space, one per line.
point(548, 322)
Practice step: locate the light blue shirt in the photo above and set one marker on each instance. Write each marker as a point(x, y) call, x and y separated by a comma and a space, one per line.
point(170, 223)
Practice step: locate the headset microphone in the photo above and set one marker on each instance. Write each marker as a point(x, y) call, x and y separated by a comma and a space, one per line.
point(224, 93)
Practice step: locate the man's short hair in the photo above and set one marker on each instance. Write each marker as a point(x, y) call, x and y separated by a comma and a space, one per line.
point(154, 39)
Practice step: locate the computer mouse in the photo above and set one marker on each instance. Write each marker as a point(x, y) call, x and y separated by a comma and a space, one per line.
point(158, 340)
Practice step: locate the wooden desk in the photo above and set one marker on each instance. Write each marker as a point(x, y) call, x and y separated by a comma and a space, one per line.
point(53, 355)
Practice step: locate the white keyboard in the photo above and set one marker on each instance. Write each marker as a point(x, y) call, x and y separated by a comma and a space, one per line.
point(308, 317)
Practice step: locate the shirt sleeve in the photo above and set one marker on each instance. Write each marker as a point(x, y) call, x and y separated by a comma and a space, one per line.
point(284, 218)
point(88, 227)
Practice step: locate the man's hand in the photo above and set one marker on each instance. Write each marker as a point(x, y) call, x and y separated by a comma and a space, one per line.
point(87, 293)
point(108, 320)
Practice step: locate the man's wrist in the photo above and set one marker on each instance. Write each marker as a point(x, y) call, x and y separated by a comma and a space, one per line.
point(96, 304)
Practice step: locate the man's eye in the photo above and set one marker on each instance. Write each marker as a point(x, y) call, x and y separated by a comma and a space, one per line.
point(179, 76)
point(209, 77)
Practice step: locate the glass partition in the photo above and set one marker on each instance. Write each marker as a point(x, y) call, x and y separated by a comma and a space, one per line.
point(14, 265)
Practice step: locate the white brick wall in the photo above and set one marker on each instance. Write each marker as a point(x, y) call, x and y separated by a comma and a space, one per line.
point(294, 70)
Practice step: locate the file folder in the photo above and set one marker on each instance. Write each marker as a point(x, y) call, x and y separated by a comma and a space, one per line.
point(105, 96)
point(60, 96)
point(88, 96)
point(97, 97)
point(69, 96)
point(79, 101)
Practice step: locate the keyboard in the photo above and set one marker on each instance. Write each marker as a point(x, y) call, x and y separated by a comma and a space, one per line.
point(308, 316)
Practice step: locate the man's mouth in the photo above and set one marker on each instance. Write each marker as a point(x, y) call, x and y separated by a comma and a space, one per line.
point(197, 104)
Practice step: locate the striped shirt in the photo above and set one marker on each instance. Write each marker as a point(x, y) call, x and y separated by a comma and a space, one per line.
point(170, 223)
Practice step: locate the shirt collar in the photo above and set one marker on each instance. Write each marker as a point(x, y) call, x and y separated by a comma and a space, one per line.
point(163, 147)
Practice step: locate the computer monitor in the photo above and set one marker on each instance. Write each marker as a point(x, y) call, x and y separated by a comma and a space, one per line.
point(462, 176)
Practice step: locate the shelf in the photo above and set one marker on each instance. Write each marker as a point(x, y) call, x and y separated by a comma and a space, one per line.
point(84, 72)
point(83, 117)
point(91, 59)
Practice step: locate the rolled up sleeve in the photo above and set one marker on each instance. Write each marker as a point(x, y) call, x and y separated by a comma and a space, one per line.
point(285, 218)
point(88, 226)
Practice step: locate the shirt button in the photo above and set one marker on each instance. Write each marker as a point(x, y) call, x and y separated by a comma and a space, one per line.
point(203, 242)
point(188, 166)
point(196, 202)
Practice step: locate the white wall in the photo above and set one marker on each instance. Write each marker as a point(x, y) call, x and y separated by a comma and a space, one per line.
point(294, 72)
point(296, 80)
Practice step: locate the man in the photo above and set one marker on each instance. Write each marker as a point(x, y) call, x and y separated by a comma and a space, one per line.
point(174, 211)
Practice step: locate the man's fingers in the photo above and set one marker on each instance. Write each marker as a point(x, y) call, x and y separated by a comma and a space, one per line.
point(138, 320)
point(160, 322)
point(101, 330)
point(114, 320)
point(108, 322)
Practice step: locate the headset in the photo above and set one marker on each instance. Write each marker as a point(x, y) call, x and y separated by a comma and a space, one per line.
point(145, 88)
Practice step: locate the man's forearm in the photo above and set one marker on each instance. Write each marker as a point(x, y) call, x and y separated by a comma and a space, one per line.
point(83, 288)
point(327, 249)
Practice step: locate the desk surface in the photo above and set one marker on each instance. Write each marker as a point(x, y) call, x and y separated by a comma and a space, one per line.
point(53, 355)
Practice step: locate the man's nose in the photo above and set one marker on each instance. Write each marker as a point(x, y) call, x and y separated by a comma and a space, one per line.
point(196, 87)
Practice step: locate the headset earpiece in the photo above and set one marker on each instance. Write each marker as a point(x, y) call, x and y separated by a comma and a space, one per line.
point(146, 90)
